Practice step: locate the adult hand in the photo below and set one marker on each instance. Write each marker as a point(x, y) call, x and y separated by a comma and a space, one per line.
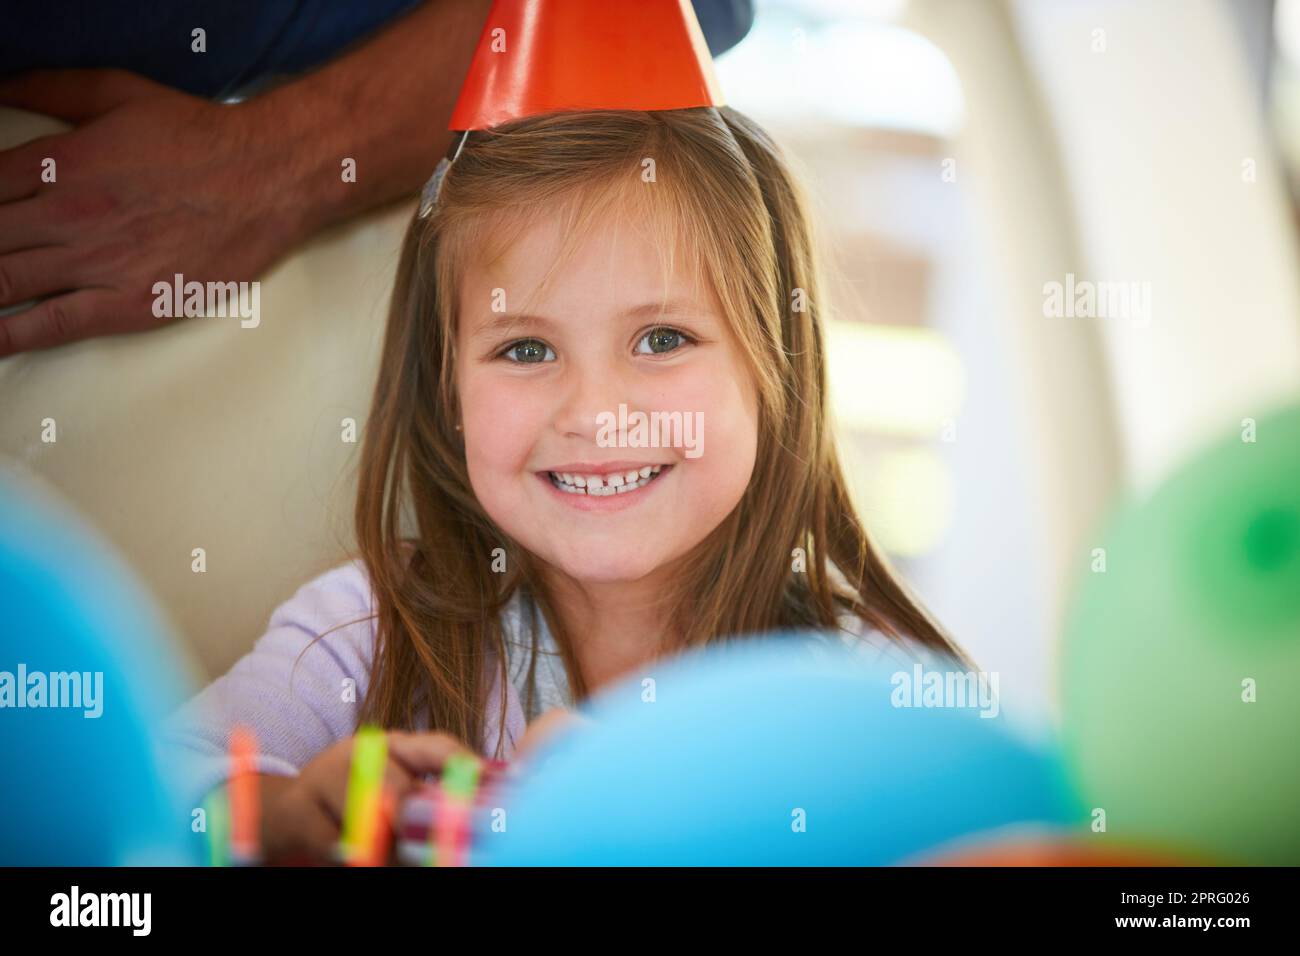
point(153, 182)
point(150, 182)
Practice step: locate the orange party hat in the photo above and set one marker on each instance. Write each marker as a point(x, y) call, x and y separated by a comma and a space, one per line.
point(543, 56)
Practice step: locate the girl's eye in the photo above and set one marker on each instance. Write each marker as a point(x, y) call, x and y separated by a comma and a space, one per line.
point(661, 340)
point(528, 352)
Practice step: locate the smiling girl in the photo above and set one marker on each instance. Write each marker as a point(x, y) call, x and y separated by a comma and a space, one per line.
point(510, 561)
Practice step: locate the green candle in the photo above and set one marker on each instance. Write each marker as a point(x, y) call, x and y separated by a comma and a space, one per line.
point(365, 783)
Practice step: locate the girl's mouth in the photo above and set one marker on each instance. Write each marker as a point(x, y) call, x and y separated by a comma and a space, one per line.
point(608, 485)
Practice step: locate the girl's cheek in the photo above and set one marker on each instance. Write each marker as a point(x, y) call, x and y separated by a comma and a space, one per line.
point(726, 419)
point(499, 428)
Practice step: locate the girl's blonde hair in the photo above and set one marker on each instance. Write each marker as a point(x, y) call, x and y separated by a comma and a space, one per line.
point(727, 201)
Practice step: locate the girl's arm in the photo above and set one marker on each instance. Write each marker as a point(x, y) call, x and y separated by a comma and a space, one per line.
point(297, 694)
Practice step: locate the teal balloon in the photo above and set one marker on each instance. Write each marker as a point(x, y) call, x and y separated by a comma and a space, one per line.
point(82, 782)
point(1182, 657)
point(774, 750)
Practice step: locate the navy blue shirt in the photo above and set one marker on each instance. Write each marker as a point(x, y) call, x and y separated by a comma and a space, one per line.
point(246, 40)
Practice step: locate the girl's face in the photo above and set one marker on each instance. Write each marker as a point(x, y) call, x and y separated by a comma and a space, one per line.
point(541, 393)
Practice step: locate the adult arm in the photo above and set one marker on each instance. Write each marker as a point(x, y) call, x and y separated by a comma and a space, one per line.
point(153, 182)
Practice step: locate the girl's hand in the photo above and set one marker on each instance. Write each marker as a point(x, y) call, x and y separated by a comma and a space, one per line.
point(554, 722)
point(302, 816)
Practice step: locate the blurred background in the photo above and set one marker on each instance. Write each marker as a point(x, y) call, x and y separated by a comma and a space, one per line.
point(965, 155)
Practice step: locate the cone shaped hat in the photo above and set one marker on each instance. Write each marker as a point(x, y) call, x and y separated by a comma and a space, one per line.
point(543, 56)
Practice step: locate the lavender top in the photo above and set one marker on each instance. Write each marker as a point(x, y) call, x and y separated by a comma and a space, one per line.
point(299, 694)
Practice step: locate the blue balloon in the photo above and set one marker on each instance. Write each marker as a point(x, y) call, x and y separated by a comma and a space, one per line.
point(86, 671)
point(783, 750)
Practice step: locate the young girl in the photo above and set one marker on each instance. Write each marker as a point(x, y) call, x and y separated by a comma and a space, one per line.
point(510, 561)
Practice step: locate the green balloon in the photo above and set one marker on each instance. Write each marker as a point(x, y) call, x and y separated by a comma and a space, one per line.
point(1181, 660)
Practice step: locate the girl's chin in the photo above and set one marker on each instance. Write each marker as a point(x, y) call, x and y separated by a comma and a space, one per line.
point(598, 568)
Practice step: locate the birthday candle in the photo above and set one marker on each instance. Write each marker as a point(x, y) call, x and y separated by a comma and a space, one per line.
point(460, 776)
point(245, 843)
point(362, 818)
point(383, 831)
point(449, 830)
point(216, 812)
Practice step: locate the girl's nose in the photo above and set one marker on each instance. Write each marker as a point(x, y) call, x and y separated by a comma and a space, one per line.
point(588, 394)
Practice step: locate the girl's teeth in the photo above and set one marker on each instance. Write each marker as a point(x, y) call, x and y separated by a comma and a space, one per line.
point(610, 484)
